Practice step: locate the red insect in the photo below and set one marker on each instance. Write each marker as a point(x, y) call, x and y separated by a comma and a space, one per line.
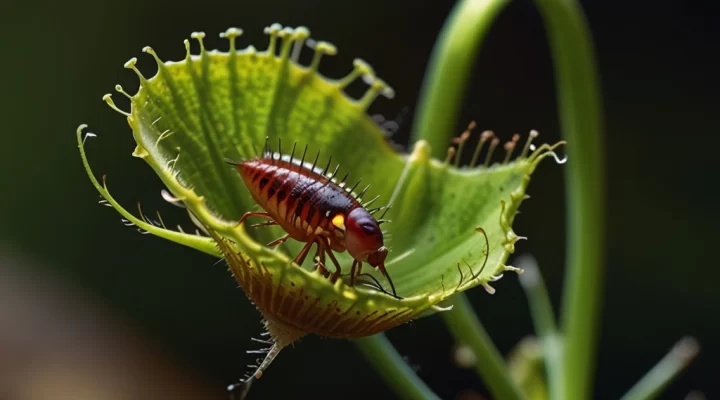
point(314, 209)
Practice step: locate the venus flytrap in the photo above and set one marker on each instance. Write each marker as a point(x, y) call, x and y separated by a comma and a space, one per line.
point(451, 226)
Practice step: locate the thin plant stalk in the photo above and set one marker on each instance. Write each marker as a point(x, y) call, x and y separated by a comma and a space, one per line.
point(390, 365)
point(468, 330)
point(544, 322)
point(674, 362)
point(578, 92)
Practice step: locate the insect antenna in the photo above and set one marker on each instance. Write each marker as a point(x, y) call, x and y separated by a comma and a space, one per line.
point(379, 287)
point(376, 284)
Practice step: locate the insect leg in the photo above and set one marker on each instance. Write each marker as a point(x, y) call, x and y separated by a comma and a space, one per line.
point(354, 271)
point(278, 241)
point(253, 214)
point(326, 245)
point(300, 258)
point(320, 255)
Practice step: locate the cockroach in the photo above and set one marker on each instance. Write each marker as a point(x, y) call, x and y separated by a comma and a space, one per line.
point(313, 208)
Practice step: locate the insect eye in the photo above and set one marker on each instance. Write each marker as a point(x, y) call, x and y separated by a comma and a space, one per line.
point(369, 228)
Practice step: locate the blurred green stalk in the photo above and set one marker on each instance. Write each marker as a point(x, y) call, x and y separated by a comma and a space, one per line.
point(580, 117)
point(544, 322)
point(467, 329)
point(650, 386)
point(390, 365)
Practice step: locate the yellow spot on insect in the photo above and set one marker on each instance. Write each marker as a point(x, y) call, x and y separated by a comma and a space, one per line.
point(339, 221)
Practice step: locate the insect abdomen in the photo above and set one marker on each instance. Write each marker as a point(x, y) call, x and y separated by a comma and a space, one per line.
point(300, 200)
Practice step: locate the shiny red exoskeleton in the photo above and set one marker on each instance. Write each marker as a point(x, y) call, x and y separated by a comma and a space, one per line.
point(314, 209)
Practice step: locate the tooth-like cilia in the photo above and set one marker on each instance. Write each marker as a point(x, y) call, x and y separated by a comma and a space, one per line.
point(451, 224)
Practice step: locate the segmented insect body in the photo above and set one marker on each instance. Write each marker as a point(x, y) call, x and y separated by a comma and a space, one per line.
point(314, 209)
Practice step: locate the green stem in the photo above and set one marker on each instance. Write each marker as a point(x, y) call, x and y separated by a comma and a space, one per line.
point(544, 321)
point(390, 365)
point(580, 119)
point(467, 329)
point(449, 71)
point(664, 371)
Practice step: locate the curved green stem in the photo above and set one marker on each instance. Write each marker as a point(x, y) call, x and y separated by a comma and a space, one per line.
point(650, 386)
point(544, 322)
point(449, 71)
point(467, 329)
point(390, 365)
point(580, 119)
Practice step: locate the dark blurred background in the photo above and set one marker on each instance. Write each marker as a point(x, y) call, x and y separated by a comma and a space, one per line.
point(92, 309)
